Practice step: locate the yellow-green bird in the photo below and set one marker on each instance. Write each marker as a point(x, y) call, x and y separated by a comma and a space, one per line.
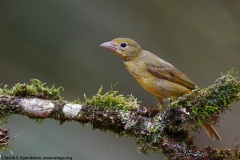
point(156, 76)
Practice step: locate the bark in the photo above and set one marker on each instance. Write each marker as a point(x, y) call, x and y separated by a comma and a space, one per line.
point(154, 128)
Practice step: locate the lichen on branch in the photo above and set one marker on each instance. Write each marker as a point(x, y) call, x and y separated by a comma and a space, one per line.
point(204, 106)
point(153, 129)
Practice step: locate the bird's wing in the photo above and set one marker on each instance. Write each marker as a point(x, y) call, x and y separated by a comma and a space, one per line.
point(168, 72)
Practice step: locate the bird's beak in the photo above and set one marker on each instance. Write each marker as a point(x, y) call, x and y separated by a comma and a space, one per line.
point(108, 45)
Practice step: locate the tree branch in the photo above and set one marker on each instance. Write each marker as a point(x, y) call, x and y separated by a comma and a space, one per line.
point(153, 129)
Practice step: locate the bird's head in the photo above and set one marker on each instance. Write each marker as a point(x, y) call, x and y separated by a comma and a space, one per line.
point(125, 48)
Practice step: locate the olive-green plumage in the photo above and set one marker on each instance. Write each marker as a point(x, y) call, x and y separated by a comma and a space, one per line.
point(155, 75)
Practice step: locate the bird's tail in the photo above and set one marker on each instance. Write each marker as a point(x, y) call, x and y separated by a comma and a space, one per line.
point(212, 133)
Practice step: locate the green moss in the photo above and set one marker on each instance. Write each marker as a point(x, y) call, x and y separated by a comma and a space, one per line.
point(111, 99)
point(77, 101)
point(205, 105)
point(35, 89)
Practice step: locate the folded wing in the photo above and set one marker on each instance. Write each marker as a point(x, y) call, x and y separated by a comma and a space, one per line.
point(170, 73)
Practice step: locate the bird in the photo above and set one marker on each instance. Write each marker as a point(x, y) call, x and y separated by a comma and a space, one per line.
point(156, 76)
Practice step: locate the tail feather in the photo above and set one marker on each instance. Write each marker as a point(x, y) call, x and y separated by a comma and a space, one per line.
point(212, 133)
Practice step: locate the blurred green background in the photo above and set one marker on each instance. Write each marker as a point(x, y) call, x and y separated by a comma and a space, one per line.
point(57, 41)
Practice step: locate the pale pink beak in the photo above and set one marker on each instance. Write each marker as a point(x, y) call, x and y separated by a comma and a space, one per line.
point(108, 45)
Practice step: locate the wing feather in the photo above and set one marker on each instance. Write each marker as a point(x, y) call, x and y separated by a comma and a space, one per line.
point(168, 72)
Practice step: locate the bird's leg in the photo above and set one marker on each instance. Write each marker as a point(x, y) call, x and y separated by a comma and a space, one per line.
point(160, 103)
point(160, 100)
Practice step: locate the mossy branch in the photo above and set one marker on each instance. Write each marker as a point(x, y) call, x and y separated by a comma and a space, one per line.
point(153, 129)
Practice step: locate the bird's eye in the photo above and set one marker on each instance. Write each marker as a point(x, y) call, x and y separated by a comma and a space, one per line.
point(124, 44)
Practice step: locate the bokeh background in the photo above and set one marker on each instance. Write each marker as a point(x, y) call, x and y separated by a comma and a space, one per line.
point(57, 41)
